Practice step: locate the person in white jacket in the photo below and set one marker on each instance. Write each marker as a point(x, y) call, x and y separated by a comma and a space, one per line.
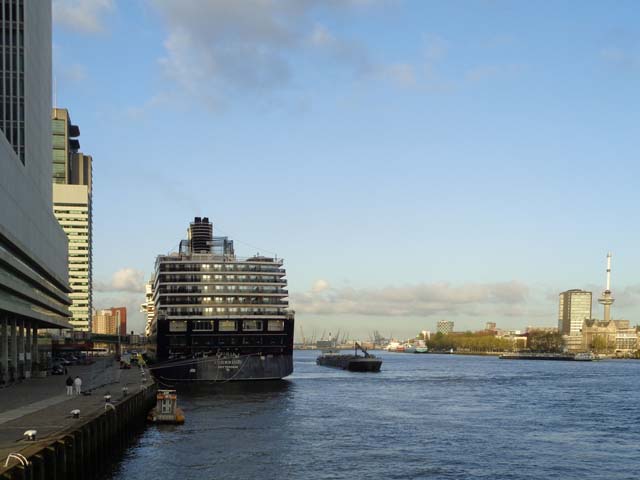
point(77, 383)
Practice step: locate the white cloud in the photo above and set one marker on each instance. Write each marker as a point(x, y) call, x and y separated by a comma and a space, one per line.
point(320, 286)
point(85, 16)
point(346, 52)
point(124, 280)
point(506, 298)
point(214, 47)
point(321, 37)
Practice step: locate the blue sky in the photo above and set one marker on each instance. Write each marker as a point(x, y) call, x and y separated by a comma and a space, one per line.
point(411, 160)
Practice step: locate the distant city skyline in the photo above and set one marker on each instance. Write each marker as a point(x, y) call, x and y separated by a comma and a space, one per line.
point(419, 160)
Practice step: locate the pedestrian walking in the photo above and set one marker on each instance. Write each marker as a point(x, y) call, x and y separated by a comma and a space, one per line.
point(69, 386)
point(78, 384)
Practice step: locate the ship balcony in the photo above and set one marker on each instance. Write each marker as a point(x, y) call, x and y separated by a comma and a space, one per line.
point(180, 314)
point(233, 268)
point(200, 281)
point(222, 275)
point(224, 293)
point(195, 302)
point(217, 259)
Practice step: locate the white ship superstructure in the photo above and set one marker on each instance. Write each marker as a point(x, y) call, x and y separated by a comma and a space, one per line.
point(209, 302)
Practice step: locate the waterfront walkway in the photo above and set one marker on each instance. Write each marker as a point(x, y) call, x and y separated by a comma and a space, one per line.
point(42, 404)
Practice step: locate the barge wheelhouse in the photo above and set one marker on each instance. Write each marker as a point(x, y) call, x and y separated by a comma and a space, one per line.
point(218, 317)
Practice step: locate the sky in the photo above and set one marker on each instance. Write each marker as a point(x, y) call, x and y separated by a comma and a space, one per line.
point(411, 160)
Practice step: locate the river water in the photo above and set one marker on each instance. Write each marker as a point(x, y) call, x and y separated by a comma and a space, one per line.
point(422, 416)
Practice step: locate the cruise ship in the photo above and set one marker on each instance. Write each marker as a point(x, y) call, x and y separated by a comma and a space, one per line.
point(218, 317)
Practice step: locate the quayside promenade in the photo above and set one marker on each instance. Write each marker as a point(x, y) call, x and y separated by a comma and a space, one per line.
point(66, 447)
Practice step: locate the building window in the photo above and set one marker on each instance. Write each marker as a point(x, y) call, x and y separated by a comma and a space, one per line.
point(58, 127)
point(227, 326)
point(252, 325)
point(275, 326)
point(177, 326)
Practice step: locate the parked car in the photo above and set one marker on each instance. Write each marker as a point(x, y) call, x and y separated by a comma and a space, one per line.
point(57, 369)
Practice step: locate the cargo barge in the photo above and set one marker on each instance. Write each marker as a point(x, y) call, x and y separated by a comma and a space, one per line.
point(218, 317)
point(353, 363)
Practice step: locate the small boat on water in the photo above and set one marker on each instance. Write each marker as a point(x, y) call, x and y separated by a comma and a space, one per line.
point(353, 363)
point(166, 409)
point(421, 350)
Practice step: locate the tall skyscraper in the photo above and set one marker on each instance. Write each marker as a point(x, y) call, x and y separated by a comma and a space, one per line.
point(33, 248)
point(72, 181)
point(110, 321)
point(574, 309)
point(148, 307)
point(445, 326)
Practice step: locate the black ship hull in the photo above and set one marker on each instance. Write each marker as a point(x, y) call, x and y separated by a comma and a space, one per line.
point(225, 367)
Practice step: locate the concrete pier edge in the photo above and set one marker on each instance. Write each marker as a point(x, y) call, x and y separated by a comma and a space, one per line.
point(85, 449)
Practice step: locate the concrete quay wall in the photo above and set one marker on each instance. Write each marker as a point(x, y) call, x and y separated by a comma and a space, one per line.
point(88, 448)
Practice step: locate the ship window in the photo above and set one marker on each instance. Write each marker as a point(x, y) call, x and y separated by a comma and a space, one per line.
point(227, 326)
point(252, 325)
point(275, 325)
point(202, 325)
point(177, 341)
point(177, 326)
point(202, 340)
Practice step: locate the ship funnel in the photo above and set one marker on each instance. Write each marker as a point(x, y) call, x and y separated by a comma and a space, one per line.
point(201, 235)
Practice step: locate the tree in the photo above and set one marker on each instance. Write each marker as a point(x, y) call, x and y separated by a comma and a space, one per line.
point(602, 344)
point(545, 342)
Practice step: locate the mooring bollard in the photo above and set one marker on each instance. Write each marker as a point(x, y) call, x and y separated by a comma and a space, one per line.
point(30, 435)
point(75, 413)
